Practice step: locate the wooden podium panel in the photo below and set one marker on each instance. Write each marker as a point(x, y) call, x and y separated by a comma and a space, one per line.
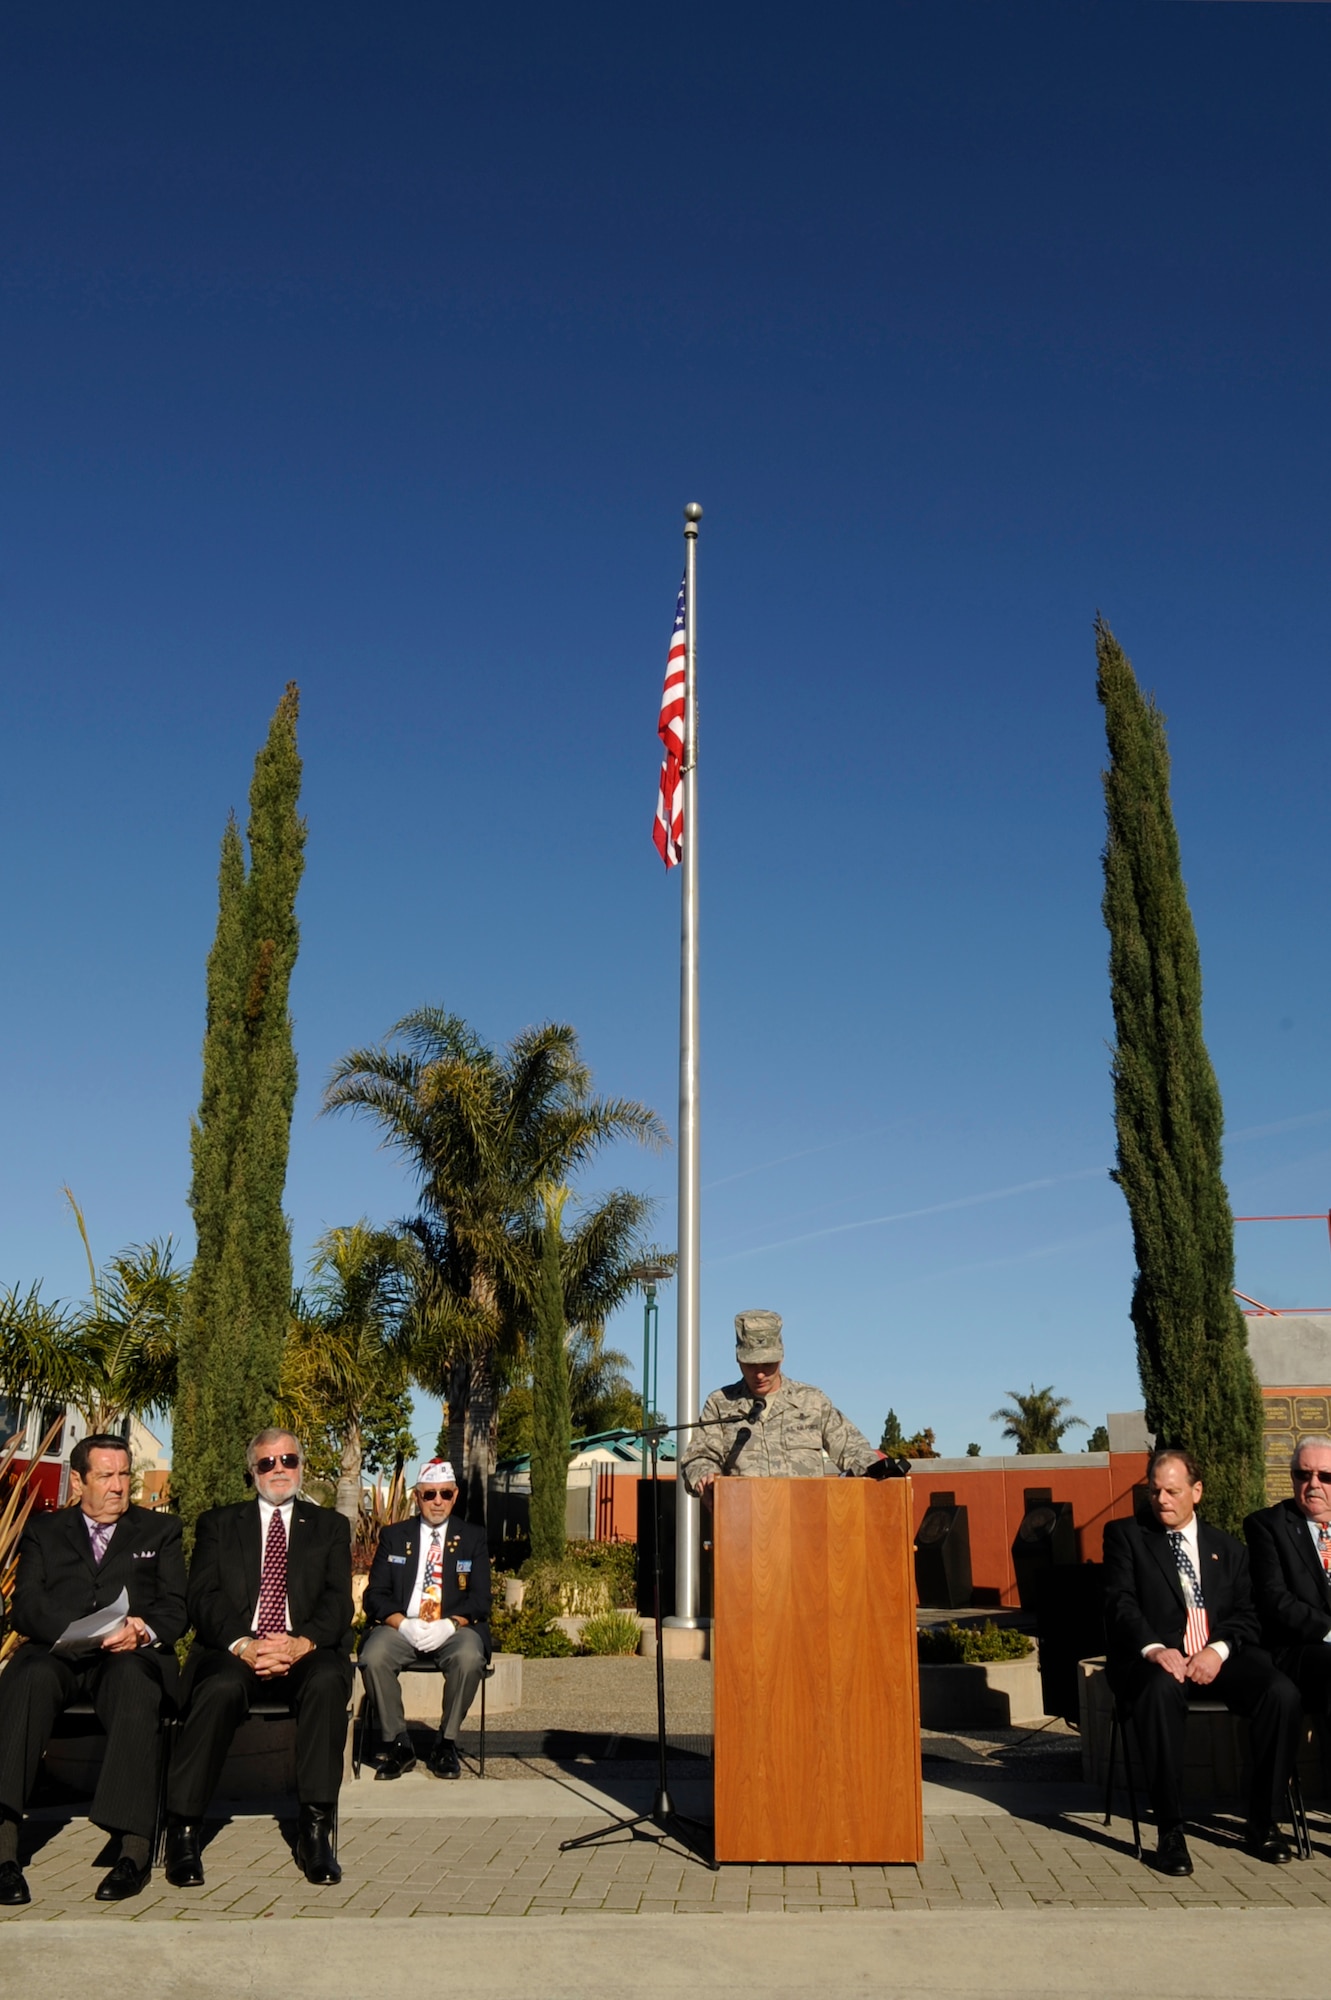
point(815, 1677)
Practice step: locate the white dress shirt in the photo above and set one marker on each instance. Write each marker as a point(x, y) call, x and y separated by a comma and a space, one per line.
point(1190, 1543)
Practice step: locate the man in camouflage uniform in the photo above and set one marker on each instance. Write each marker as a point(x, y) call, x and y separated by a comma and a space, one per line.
point(793, 1427)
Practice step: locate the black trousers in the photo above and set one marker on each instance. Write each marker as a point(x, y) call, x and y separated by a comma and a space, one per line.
point(220, 1690)
point(1252, 1685)
point(126, 1689)
point(1309, 1667)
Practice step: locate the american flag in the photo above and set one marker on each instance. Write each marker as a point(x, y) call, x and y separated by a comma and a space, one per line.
point(1197, 1631)
point(668, 832)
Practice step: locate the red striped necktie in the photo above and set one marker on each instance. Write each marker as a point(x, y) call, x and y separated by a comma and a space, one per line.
point(273, 1581)
point(1324, 1545)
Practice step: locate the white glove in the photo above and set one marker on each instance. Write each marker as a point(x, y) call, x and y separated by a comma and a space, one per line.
point(436, 1632)
point(427, 1635)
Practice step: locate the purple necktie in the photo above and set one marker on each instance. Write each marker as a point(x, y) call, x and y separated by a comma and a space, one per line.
point(100, 1533)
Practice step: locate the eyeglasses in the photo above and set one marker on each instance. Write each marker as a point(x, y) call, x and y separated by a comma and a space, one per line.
point(1307, 1477)
point(289, 1460)
point(438, 1492)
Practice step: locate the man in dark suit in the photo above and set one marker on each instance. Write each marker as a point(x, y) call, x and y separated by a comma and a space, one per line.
point(1179, 1620)
point(71, 1565)
point(428, 1597)
point(1289, 1546)
point(270, 1602)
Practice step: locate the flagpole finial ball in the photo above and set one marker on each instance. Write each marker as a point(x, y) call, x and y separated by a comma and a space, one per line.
point(693, 512)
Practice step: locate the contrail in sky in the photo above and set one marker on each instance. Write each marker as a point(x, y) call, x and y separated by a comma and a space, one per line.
point(912, 1214)
point(877, 1132)
point(1033, 1256)
point(1282, 1125)
point(847, 1139)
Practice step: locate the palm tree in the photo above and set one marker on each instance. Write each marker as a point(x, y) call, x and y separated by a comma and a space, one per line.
point(600, 1393)
point(129, 1329)
point(601, 1396)
point(134, 1328)
point(346, 1354)
point(1035, 1422)
point(45, 1358)
point(483, 1131)
point(112, 1356)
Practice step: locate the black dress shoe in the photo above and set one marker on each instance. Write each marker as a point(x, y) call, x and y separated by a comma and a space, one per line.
point(1171, 1852)
point(184, 1863)
point(125, 1879)
point(314, 1846)
point(1266, 1843)
point(397, 1758)
point(443, 1759)
point(13, 1889)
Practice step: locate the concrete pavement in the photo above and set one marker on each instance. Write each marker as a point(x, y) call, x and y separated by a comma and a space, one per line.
point(1071, 1954)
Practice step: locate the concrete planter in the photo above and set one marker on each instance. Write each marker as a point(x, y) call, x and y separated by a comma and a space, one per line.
point(515, 1589)
point(423, 1694)
point(1002, 1694)
point(678, 1642)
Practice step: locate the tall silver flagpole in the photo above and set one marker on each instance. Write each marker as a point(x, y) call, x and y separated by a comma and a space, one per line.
point(688, 1288)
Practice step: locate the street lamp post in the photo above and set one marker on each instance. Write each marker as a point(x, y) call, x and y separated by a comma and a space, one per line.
point(649, 1275)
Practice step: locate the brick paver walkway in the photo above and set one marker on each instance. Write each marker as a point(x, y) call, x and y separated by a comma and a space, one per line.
point(487, 1867)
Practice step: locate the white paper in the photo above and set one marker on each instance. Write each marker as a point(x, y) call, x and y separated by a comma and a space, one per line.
point(98, 1625)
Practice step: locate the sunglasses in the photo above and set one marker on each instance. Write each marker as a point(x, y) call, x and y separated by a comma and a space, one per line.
point(289, 1460)
point(1307, 1478)
point(438, 1492)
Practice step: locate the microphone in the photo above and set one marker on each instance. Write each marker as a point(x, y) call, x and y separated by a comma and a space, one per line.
point(743, 1435)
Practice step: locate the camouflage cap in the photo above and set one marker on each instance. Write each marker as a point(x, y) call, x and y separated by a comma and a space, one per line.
point(758, 1337)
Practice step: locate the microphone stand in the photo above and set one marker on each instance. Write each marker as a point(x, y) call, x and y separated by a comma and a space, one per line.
point(669, 1823)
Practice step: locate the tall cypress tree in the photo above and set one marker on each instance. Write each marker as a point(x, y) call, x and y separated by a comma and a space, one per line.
point(237, 1306)
point(551, 1421)
point(1192, 1345)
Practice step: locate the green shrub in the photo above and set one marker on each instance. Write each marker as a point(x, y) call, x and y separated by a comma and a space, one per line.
point(970, 1645)
point(528, 1632)
point(615, 1561)
point(612, 1632)
point(589, 1578)
point(565, 1590)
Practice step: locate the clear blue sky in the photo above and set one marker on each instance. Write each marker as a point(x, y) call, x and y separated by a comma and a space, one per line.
point(380, 348)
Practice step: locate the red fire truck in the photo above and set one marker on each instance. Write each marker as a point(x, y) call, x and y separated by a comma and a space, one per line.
point(52, 1475)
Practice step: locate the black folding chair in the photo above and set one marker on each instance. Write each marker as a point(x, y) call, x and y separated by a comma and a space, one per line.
point(1204, 1705)
point(367, 1715)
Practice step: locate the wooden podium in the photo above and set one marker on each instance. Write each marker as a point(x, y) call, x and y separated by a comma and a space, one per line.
point(816, 1687)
